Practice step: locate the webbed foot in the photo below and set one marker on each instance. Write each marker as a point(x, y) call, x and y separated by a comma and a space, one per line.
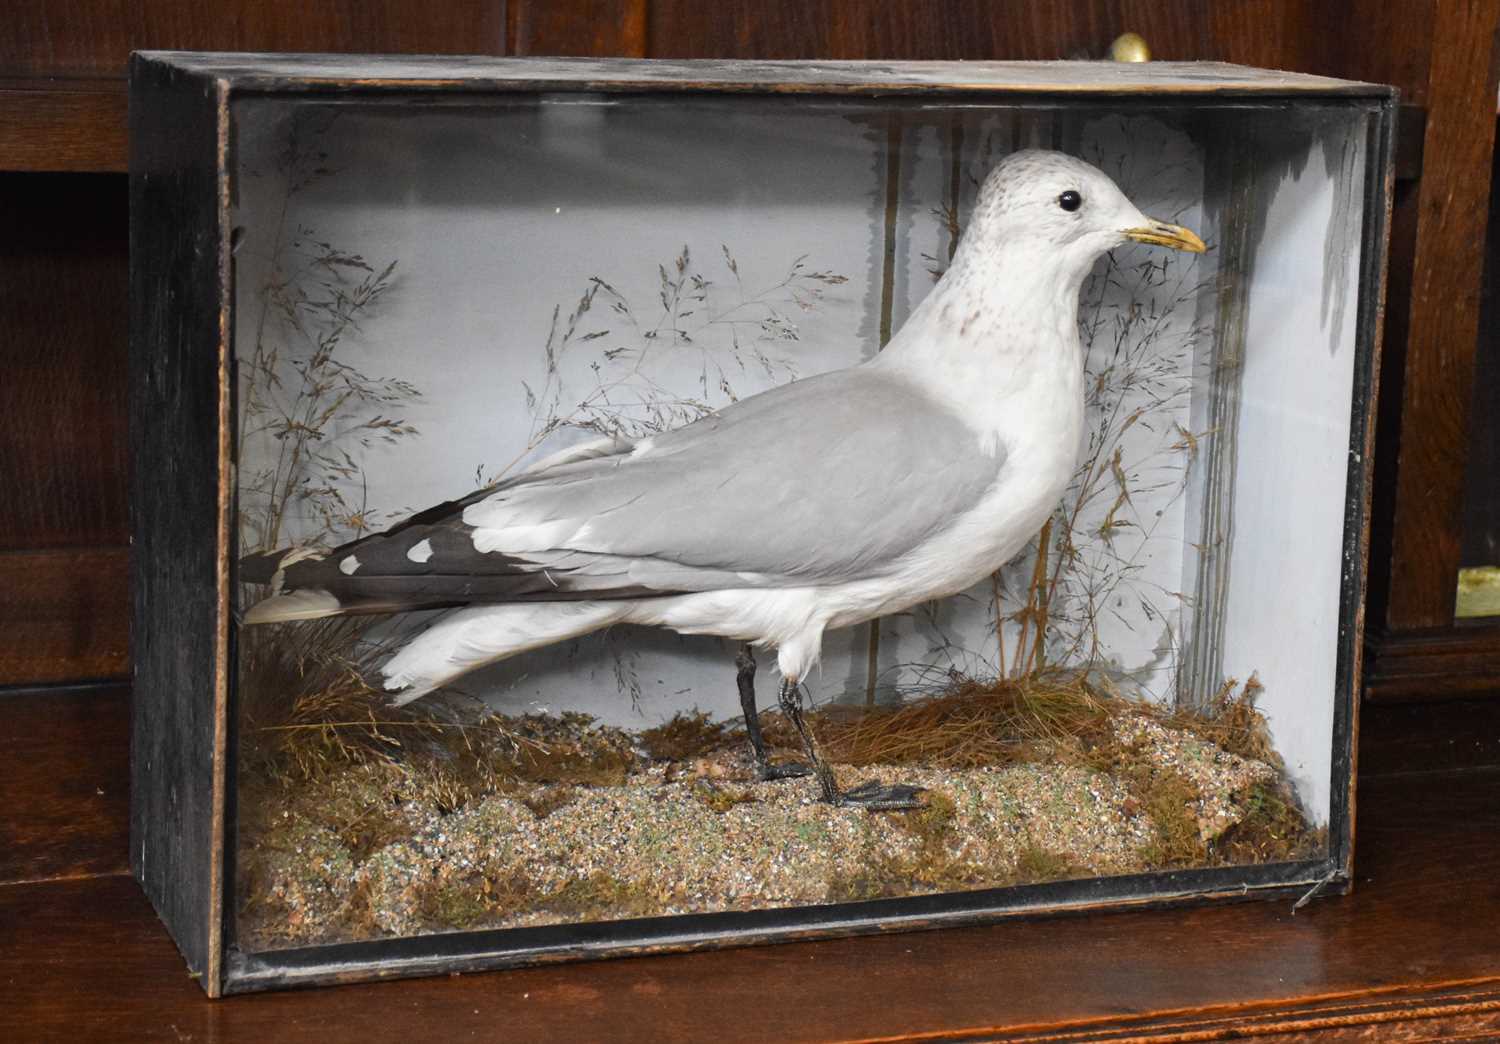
point(874, 796)
point(768, 773)
point(881, 797)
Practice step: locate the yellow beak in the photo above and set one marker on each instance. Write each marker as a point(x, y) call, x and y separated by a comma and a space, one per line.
point(1159, 233)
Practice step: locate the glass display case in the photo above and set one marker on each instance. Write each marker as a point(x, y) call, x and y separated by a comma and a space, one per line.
point(492, 418)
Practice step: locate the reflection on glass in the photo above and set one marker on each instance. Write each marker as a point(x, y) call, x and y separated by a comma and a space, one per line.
point(431, 300)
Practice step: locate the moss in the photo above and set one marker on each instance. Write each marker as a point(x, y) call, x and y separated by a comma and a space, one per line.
point(1231, 722)
point(885, 876)
point(1272, 830)
point(811, 833)
point(685, 736)
point(1169, 800)
point(1035, 864)
point(544, 801)
point(932, 824)
point(456, 903)
point(571, 765)
point(448, 788)
point(600, 896)
point(932, 867)
point(878, 880)
point(365, 805)
point(721, 799)
point(567, 749)
point(301, 876)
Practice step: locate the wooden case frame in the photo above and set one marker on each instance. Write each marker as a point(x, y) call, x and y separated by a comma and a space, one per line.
point(183, 562)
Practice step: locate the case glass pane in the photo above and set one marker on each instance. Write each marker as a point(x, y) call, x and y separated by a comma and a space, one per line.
point(432, 297)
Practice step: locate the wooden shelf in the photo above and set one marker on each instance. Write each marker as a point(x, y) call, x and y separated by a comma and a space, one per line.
point(1414, 952)
point(1437, 664)
point(56, 124)
point(68, 615)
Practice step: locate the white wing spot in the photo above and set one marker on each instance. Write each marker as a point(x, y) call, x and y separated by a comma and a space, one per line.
point(349, 565)
point(420, 552)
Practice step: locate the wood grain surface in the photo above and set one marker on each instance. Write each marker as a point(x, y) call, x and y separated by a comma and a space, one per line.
point(63, 615)
point(1430, 735)
point(1415, 941)
point(66, 38)
point(95, 37)
point(76, 126)
point(1481, 526)
point(63, 301)
point(1432, 665)
point(1441, 321)
point(63, 460)
point(1278, 34)
point(65, 783)
point(595, 28)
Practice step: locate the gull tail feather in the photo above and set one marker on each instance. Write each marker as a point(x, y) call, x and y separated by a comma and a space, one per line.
point(307, 604)
point(472, 638)
point(314, 603)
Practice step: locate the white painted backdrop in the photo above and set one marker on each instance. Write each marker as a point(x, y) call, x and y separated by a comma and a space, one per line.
point(502, 220)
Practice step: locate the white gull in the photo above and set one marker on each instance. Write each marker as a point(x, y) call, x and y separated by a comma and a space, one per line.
point(819, 504)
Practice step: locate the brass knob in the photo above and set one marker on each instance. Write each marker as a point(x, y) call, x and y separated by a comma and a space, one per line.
point(1129, 47)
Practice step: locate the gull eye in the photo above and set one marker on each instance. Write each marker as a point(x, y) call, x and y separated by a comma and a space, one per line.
point(1070, 200)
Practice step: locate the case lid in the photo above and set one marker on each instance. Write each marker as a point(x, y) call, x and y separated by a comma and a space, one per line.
point(298, 72)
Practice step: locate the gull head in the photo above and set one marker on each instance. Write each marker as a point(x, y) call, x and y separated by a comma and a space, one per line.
point(1061, 210)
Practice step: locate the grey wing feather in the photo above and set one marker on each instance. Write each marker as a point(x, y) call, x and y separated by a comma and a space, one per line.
point(828, 479)
point(822, 480)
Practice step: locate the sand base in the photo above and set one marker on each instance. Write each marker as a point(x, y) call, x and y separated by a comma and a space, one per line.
point(379, 848)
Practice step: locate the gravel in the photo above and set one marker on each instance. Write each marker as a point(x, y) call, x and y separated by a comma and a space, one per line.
point(704, 836)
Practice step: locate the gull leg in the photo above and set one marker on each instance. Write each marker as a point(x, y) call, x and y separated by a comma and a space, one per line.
point(790, 698)
point(873, 796)
point(745, 662)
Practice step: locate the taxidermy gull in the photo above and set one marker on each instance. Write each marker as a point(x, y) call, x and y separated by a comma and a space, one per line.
point(822, 503)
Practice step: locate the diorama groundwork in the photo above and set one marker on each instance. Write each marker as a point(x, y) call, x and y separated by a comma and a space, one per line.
point(357, 821)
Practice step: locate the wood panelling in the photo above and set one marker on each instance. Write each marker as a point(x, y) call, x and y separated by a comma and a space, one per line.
point(64, 615)
point(64, 787)
point(1430, 440)
point(1360, 40)
point(77, 126)
point(62, 330)
point(1284, 34)
point(95, 37)
point(590, 28)
point(1429, 735)
point(65, 37)
point(1432, 665)
point(373, 26)
point(1481, 535)
point(87, 960)
point(63, 457)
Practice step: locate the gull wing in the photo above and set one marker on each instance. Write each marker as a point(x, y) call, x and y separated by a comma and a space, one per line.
point(825, 480)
